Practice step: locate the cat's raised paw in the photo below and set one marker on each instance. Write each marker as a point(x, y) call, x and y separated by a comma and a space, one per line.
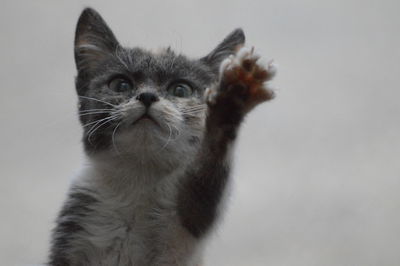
point(242, 81)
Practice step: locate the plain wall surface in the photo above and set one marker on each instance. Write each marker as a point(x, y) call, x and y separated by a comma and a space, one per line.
point(317, 172)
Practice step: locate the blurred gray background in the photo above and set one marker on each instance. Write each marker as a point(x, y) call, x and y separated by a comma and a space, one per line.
point(317, 171)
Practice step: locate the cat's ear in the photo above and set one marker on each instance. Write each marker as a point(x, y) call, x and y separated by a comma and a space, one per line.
point(93, 40)
point(228, 46)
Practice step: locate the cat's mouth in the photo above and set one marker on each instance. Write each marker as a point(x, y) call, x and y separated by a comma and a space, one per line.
point(145, 118)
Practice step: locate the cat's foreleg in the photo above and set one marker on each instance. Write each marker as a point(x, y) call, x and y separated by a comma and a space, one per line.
point(240, 88)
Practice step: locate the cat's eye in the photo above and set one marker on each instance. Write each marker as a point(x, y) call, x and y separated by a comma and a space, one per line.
point(180, 90)
point(120, 84)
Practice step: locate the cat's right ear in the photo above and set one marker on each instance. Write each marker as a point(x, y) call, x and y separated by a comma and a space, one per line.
point(94, 41)
point(228, 46)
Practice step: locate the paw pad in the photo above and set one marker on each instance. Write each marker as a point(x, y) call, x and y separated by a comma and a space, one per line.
point(242, 78)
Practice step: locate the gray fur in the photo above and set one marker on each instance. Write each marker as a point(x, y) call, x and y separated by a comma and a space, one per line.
point(150, 192)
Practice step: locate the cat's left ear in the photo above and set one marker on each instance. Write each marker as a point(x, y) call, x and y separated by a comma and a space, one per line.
point(94, 41)
point(228, 46)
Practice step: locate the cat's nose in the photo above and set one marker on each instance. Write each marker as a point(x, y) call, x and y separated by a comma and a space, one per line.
point(147, 98)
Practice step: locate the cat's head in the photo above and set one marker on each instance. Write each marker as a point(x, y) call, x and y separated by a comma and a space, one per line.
point(133, 102)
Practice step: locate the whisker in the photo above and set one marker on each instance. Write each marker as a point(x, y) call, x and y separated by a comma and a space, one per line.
point(94, 99)
point(100, 121)
point(99, 126)
point(96, 121)
point(90, 110)
point(194, 113)
point(178, 132)
point(113, 138)
point(193, 110)
point(195, 106)
point(93, 113)
point(173, 114)
point(169, 137)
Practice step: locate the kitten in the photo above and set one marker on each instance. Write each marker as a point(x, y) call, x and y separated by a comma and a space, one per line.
point(158, 133)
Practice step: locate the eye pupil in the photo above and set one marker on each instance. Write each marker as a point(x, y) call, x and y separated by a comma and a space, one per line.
point(120, 85)
point(123, 85)
point(180, 90)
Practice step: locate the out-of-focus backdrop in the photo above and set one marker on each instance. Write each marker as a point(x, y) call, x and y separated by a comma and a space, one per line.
point(317, 172)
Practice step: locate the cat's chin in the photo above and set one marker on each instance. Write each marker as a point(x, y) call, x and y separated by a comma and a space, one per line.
point(143, 136)
point(144, 144)
point(144, 129)
point(145, 120)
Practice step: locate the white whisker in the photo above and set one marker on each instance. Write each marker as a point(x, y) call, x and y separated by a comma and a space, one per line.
point(177, 131)
point(192, 112)
point(94, 127)
point(113, 138)
point(93, 113)
point(90, 110)
point(94, 99)
point(96, 121)
point(169, 137)
point(112, 118)
point(194, 108)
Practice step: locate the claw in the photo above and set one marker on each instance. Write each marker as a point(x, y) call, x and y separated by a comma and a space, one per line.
point(243, 80)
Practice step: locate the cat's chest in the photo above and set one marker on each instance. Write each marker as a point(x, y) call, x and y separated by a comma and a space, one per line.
point(133, 223)
point(121, 229)
point(143, 232)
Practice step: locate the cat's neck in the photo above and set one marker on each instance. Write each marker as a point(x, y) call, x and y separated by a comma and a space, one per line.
point(123, 175)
